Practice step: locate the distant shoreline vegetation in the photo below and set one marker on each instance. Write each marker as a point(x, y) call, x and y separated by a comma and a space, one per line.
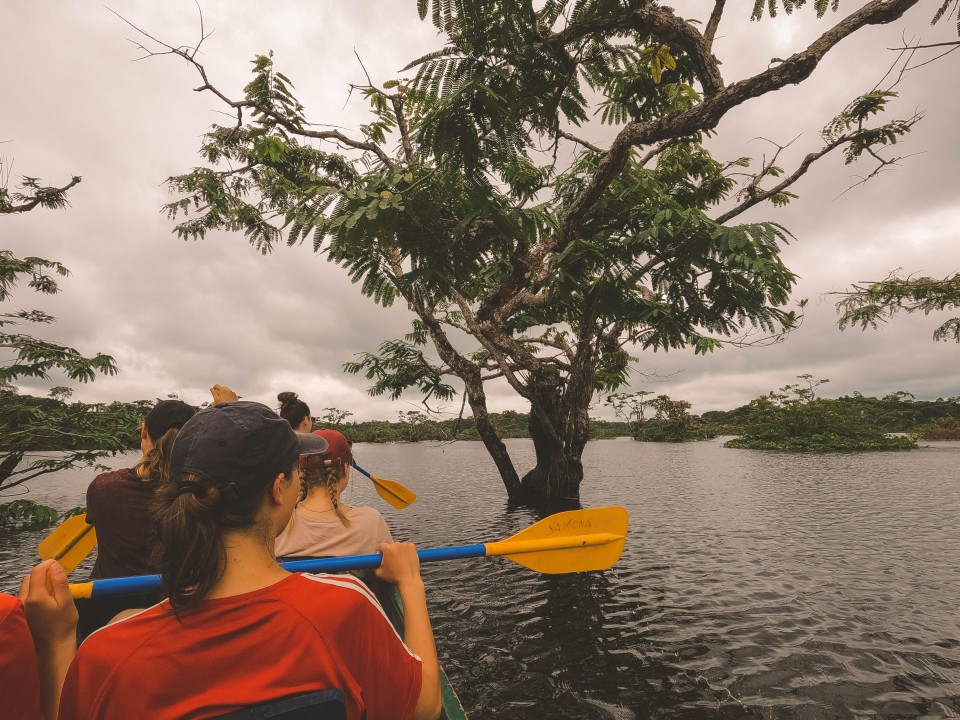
point(793, 419)
point(793, 412)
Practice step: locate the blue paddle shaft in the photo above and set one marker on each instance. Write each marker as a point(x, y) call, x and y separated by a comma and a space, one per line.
point(108, 587)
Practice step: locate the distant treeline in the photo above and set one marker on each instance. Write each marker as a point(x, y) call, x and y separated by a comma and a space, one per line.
point(415, 426)
point(98, 426)
point(897, 412)
point(116, 425)
point(796, 419)
point(793, 419)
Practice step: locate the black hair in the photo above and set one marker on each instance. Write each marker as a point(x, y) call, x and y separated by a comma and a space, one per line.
point(293, 409)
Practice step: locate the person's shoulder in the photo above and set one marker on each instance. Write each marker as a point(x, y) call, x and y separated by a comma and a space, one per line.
point(346, 589)
point(105, 485)
point(333, 603)
point(118, 637)
point(114, 477)
point(366, 512)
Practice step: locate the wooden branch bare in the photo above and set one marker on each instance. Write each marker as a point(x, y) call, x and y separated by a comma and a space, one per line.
point(711, 31)
point(189, 55)
point(580, 141)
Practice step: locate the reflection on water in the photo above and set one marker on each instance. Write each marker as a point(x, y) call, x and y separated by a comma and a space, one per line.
point(753, 585)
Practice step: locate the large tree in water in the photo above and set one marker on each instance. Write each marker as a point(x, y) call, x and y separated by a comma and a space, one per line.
point(528, 252)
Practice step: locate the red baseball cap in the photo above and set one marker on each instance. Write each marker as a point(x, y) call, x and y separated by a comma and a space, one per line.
point(338, 451)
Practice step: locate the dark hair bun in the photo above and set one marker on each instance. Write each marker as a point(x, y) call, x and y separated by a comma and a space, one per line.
point(286, 397)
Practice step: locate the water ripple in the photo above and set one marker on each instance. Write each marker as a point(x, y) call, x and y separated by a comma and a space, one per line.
point(753, 585)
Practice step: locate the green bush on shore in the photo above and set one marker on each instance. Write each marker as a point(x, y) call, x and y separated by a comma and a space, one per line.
point(796, 419)
point(939, 429)
point(825, 442)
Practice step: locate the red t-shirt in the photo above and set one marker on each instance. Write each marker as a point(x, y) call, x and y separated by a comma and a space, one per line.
point(19, 682)
point(118, 505)
point(303, 634)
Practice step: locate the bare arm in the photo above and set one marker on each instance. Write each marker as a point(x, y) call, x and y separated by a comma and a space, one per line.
point(401, 567)
point(52, 618)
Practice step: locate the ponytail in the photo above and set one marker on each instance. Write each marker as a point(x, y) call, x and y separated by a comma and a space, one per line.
point(154, 465)
point(190, 522)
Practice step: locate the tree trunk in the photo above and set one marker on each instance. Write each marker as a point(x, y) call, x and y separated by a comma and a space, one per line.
point(489, 435)
point(558, 472)
point(9, 464)
point(469, 373)
point(559, 427)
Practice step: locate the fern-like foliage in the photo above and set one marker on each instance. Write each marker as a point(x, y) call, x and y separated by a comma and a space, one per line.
point(401, 365)
point(873, 304)
point(26, 356)
point(942, 12)
point(772, 6)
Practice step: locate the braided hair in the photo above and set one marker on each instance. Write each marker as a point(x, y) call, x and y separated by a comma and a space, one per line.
point(326, 478)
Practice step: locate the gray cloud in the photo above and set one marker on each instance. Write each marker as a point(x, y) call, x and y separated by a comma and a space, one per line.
point(180, 316)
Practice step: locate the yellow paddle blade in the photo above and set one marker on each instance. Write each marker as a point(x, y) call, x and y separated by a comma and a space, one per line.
point(393, 492)
point(572, 541)
point(70, 543)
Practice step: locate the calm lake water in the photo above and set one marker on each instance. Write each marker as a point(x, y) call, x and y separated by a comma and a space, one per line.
point(753, 585)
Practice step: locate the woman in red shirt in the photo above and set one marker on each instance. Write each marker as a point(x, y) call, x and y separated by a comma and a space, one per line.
point(238, 630)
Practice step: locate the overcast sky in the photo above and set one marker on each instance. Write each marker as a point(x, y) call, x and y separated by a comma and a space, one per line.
point(180, 316)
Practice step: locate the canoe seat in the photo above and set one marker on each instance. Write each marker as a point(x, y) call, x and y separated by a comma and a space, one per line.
point(321, 705)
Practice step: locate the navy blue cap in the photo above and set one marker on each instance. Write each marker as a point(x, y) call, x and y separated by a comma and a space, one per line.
point(239, 447)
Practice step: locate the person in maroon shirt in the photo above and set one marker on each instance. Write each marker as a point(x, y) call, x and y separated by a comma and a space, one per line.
point(118, 506)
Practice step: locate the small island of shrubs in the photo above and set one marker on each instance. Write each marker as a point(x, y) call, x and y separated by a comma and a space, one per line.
point(796, 419)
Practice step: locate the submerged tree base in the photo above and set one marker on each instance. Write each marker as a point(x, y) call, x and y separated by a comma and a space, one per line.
point(825, 442)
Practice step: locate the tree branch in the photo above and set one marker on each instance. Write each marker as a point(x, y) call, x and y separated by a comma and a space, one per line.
point(586, 143)
point(660, 22)
point(46, 196)
point(396, 99)
point(707, 114)
point(756, 195)
point(713, 23)
point(189, 54)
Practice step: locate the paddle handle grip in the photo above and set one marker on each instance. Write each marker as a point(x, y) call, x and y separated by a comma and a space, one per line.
point(360, 469)
point(367, 562)
point(109, 587)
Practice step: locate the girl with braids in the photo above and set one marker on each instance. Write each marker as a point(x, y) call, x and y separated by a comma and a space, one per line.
point(118, 506)
point(295, 411)
point(322, 525)
point(238, 631)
